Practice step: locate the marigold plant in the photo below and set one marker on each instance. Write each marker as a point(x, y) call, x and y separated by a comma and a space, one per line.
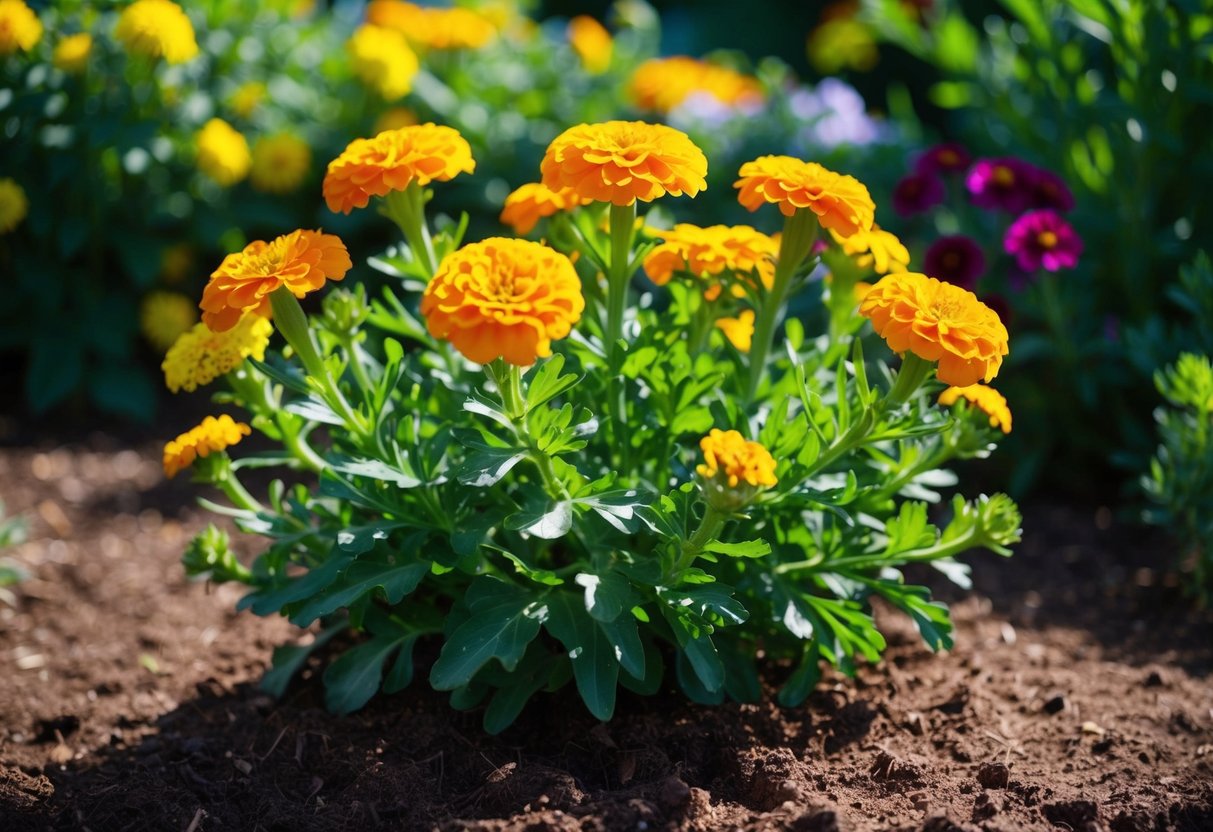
point(157, 29)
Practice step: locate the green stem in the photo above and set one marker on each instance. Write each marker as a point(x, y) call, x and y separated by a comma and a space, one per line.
point(701, 328)
point(235, 491)
point(622, 228)
point(297, 444)
point(508, 379)
point(407, 209)
point(938, 551)
point(364, 381)
point(709, 527)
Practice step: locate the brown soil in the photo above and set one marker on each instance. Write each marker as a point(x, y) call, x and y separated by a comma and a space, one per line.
point(1078, 697)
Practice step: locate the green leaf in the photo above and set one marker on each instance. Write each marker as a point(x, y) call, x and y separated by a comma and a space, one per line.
point(396, 581)
point(401, 674)
point(532, 675)
point(909, 529)
point(547, 382)
point(485, 463)
point(930, 617)
point(361, 539)
point(595, 667)
point(288, 376)
point(699, 651)
point(746, 549)
point(351, 681)
point(624, 636)
point(271, 600)
point(503, 621)
point(288, 659)
point(376, 470)
point(802, 681)
point(621, 509)
point(550, 521)
point(606, 596)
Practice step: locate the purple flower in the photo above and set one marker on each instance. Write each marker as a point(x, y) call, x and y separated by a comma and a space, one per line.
point(1042, 239)
point(956, 259)
point(950, 157)
point(1050, 191)
point(1004, 184)
point(917, 193)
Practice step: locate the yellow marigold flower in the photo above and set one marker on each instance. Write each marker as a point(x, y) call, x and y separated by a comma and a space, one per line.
point(71, 53)
point(731, 457)
point(200, 356)
point(841, 203)
point(592, 43)
point(739, 330)
point(623, 161)
point(709, 252)
point(164, 316)
point(223, 153)
point(862, 287)
point(13, 205)
point(280, 163)
point(394, 118)
point(876, 249)
point(300, 261)
point(247, 98)
point(157, 29)
point(503, 298)
point(210, 437)
point(435, 28)
point(984, 398)
point(393, 159)
point(20, 28)
point(938, 321)
point(527, 204)
point(841, 43)
point(661, 84)
point(383, 60)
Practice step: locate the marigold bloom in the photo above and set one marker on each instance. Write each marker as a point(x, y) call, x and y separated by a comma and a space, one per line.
point(729, 455)
point(13, 205)
point(1004, 184)
point(956, 259)
point(950, 157)
point(708, 253)
point(391, 161)
point(938, 322)
point(1042, 239)
point(841, 203)
point(592, 43)
point(247, 98)
point(534, 200)
point(210, 437)
point(503, 298)
point(739, 330)
point(20, 28)
point(164, 316)
point(300, 261)
point(71, 53)
point(223, 153)
point(624, 161)
point(661, 84)
point(431, 27)
point(157, 29)
point(200, 356)
point(986, 399)
point(917, 193)
point(394, 118)
point(280, 163)
point(383, 60)
point(876, 249)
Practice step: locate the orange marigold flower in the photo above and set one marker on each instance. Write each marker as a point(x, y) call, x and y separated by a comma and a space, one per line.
point(986, 399)
point(739, 330)
point(391, 161)
point(436, 28)
point(534, 200)
point(20, 27)
point(938, 321)
point(875, 249)
point(623, 161)
point(731, 457)
point(841, 203)
point(300, 261)
point(661, 84)
point(709, 252)
point(210, 437)
point(592, 43)
point(503, 298)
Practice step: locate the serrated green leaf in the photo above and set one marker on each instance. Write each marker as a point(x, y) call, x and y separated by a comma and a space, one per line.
point(595, 667)
point(395, 581)
point(351, 680)
point(745, 549)
point(504, 619)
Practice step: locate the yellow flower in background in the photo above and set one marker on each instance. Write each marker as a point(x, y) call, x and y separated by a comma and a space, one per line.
point(503, 298)
point(210, 437)
point(986, 399)
point(592, 43)
point(300, 261)
point(13, 205)
point(730, 457)
point(533, 201)
point(247, 98)
point(938, 321)
point(841, 43)
point(624, 161)
point(71, 53)
point(391, 161)
point(431, 27)
point(176, 262)
point(157, 29)
point(223, 153)
point(280, 163)
point(394, 118)
point(382, 60)
point(739, 330)
point(200, 356)
point(20, 28)
point(707, 253)
point(164, 316)
point(661, 84)
point(876, 249)
point(841, 203)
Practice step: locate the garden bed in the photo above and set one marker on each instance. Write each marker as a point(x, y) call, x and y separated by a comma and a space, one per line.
point(1078, 696)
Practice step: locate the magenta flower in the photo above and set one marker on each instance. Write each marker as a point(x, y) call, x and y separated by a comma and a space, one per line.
point(917, 193)
point(956, 259)
point(1050, 191)
point(1004, 184)
point(950, 157)
point(1042, 239)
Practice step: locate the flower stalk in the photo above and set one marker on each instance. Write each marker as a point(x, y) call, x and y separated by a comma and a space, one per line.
point(407, 210)
point(622, 230)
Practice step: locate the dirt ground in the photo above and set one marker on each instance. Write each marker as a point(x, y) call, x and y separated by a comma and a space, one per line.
point(1078, 697)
